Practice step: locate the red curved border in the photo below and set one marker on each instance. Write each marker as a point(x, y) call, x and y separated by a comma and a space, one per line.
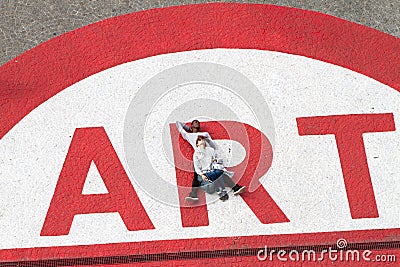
point(32, 78)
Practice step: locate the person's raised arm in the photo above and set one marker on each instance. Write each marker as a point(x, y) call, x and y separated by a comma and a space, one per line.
point(182, 128)
point(209, 140)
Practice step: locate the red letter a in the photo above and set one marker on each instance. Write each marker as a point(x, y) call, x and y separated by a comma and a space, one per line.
point(87, 145)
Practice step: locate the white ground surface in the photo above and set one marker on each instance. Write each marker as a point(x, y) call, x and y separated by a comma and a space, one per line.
point(305, 179)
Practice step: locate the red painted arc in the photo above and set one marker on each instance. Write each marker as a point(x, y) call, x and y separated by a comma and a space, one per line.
point(35, 76)
point(30, 79)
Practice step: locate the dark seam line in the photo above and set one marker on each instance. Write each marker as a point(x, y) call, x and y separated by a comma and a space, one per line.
point(186, 255)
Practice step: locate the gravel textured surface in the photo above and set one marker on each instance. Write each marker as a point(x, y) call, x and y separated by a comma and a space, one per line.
point(25, 24)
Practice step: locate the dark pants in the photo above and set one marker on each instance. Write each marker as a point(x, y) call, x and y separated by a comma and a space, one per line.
point(196, 183)
point(215, 177)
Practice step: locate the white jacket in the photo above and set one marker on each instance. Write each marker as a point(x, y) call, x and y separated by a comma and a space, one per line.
point(203, 160)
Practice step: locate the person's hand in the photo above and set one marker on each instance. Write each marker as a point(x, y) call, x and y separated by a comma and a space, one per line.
point(204, 177)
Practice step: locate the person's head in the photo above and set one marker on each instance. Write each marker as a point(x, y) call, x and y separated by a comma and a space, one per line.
point(195, 126)
point(200, 141)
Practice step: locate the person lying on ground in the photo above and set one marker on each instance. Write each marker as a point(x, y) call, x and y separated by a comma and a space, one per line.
point(190, 134)
point(208, 168)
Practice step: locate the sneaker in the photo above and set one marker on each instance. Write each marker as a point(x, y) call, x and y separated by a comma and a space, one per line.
point(237, 190)
point(190, 198)
point(223, 196)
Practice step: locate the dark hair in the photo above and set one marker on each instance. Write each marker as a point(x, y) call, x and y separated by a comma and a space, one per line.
point(195, 121)
point(199, 138)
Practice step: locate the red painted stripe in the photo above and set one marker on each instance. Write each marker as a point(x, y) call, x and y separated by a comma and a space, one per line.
point(196, 244)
